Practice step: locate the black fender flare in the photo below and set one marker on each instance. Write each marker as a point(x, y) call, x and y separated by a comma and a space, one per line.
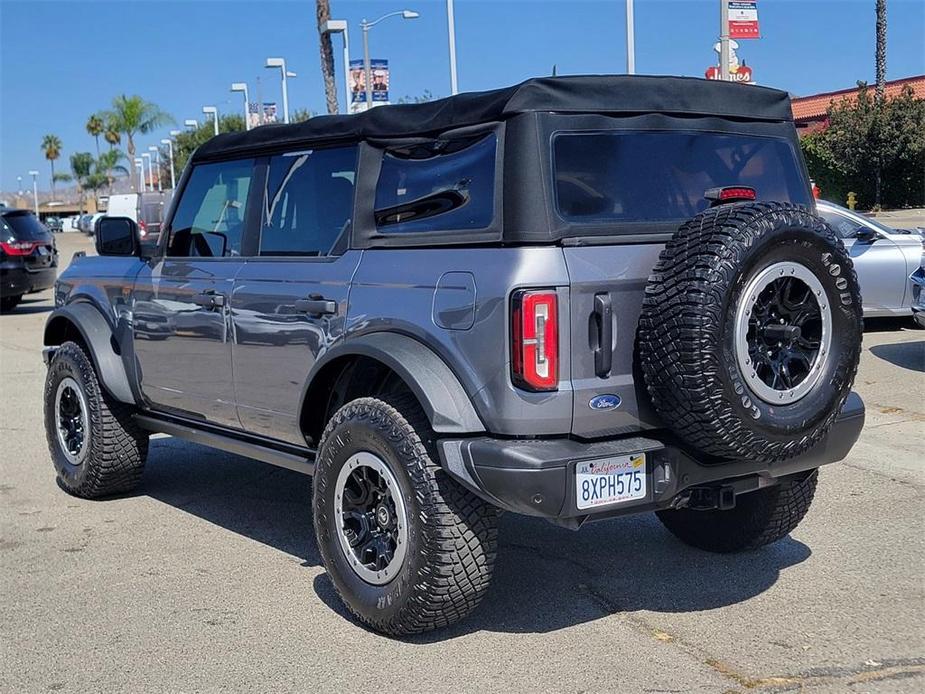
point(99, 337)
point(443, 398)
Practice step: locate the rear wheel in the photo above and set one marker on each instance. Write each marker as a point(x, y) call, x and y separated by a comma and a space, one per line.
point(8, 303)
point(407, 549)
point(96, 447)
point(758, 518)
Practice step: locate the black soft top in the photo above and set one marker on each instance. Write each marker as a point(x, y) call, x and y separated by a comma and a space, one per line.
point(604, 94)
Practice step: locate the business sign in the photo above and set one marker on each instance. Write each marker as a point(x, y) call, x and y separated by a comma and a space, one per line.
point(738, 71)
point(743, 19)
point(379, 72)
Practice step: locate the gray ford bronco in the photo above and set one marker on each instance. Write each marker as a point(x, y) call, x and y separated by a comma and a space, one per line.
point(576, 298)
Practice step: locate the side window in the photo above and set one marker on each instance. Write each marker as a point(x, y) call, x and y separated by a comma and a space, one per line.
point(308, 203)
point(444, 185)
point(843, 226)
point(209, 221)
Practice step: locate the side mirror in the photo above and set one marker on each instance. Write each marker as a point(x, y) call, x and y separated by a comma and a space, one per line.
point(867, 235)
point(117, 236)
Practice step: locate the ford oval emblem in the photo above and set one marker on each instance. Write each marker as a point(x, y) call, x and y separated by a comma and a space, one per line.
point(605, 402)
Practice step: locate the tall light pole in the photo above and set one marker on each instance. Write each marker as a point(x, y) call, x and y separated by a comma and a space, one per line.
point(157, 162)
point(724, 39)
point(367, 68)
point(35, 190)
point(451, 30)
point(630, 39)
point(19, 186)
point(242, 87)
point(140, 163)
point(281, 64)
point(339, 26)
point(167, 141)
point(212, 111)
point(150, 184)
point(191, 123)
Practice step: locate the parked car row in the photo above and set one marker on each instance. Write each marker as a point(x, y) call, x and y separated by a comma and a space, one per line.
point(28, 256)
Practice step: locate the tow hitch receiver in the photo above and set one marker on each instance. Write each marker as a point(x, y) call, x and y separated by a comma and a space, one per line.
point(709, 498)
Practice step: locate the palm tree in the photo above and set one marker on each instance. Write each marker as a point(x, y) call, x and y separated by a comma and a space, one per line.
point(108, 163)
point(81, 164)
point(131, 115)
point(111, 133)
point(95, 127)
point(51, 146)
point(881, 48)
point(323, 11)
point(879, 92)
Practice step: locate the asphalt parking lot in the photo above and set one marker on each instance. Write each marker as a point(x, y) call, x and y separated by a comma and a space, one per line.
point(208, 578)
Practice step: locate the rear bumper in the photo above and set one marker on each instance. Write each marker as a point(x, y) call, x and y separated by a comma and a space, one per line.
point(18, 280)
point(537, 477)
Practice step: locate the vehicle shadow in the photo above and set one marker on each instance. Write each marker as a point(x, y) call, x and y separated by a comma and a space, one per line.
point(888, 325)
point(908, 355)
point(546, 578)
point(28, 306)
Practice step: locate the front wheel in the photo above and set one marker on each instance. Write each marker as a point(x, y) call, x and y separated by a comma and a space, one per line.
point(407, 549)
point(758, 518)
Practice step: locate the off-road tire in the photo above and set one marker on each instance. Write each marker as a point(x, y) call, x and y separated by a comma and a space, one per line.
point(686, 331)
point(118, 448)
point(452, 536)
point(8, 303)
point(758, 518)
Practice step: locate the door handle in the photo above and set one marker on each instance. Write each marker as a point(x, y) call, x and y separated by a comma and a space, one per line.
point(316, 305)
point(209, 300)
point(603, 352)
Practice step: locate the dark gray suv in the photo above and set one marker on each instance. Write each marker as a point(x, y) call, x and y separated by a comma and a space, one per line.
point(575, 298)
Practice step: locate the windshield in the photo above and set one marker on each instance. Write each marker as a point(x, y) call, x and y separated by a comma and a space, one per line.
point(627, 176)
point(22, 226)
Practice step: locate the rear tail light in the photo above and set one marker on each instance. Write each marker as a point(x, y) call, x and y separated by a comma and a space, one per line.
point(142, 228)
point(18, 247)
point(535, 340)
point(718, 196)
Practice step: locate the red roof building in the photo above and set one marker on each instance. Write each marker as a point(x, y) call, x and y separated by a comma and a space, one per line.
point(809, 112)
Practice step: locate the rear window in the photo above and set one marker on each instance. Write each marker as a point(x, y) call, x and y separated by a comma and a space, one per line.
point(662, 176)
point(22, 226)
point(443, 185)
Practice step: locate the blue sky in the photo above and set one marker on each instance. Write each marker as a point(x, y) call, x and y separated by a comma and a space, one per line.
point(61, 61)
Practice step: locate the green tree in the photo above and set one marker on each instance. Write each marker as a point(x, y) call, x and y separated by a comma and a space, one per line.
point(131, 115)
point(108, 164)
point(880, 52)
point(51, 146)
point(864, 136)
point(300, 115)
point(422, 98)
point(81, 168)
point(111, 133)
point(95, 127)
point(188, 140)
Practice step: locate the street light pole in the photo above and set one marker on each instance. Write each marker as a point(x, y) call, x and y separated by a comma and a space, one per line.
point(169, 143)
point(281, 64)
point(724, 39)
point(367, 67)
point(451, 30)
point(35, 190)
point(213, 111)
point(339, 26)
point(140, 163)
point(157, 161)
point(242, 87)
point(150, 183)
point(630, 39)
point(191, 123)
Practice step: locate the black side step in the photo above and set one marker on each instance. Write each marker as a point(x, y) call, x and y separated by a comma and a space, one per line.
point(299, 460)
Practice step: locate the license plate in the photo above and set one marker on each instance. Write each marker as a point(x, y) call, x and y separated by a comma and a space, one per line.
point(610, 480)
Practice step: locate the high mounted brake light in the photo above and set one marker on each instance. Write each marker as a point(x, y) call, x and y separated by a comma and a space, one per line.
point(535, 340)
point(718, 196)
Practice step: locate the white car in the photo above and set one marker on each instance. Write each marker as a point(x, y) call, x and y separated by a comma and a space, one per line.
point(883, 258)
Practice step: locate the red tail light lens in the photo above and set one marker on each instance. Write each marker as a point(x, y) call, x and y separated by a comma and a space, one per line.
point(730, 194)
point(18, 247)
point(535, 340)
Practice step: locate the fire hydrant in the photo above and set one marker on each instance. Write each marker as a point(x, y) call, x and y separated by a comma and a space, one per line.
point(852, 200)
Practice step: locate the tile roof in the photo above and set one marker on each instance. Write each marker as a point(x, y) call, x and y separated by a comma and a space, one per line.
point(815, 106)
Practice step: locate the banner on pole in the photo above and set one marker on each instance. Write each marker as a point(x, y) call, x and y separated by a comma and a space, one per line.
point(743, 19)
point(379, 71)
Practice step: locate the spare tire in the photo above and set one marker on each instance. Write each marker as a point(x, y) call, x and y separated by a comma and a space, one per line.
point(750, 331)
